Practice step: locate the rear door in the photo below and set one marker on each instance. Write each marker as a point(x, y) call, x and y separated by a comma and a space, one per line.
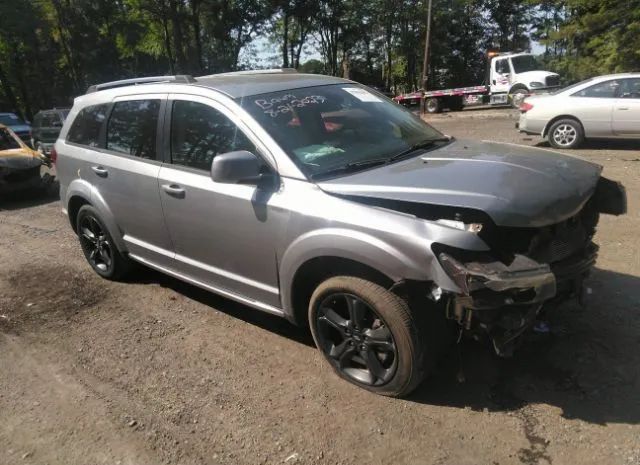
point(626, 111)
point(125, 170)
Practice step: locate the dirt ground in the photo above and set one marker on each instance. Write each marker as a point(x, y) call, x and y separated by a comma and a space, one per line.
point(155, 371)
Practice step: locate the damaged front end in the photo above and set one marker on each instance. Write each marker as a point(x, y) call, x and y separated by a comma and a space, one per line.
point(528, 270)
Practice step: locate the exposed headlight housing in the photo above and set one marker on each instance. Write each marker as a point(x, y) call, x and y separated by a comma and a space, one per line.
point(536, 84)
point(470, 227)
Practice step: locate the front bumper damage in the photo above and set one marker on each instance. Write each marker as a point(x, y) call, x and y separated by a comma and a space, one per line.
point(503, 300)
point(19, 173)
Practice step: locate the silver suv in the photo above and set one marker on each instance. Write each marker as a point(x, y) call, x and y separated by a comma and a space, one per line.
point(319, 200)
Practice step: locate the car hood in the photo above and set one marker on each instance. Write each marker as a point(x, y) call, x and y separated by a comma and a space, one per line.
point(515, 185)
point(529, 76)
point(22, 158)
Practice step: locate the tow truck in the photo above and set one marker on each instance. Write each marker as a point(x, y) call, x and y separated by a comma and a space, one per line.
point(509, 78)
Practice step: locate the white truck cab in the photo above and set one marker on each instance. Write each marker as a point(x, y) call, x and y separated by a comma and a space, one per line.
point(515, 75)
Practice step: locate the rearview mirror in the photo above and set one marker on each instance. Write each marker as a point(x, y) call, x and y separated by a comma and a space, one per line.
point(239, 167)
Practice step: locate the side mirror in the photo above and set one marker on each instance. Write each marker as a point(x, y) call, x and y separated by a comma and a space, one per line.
point(239, 167)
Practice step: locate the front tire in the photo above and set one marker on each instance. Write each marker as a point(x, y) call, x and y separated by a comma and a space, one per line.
point(517, 97)
point(98, 246)
point(566, 134)
point(368, 335)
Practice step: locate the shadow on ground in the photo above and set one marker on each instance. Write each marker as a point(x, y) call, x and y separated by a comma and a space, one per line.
point(49, 192)
point(587, 365)
point(237, 310)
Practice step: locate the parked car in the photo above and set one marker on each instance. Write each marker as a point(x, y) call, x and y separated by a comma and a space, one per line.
point(21, 128)
point(19, 164)
point(605, 107)
point(46, 128)
point(319, 200)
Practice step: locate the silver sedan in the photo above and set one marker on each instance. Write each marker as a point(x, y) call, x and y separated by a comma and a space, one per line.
point(601, 107)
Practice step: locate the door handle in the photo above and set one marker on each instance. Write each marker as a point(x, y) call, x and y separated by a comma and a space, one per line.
point(623, 108)
point(173, 190)
point(100, 171)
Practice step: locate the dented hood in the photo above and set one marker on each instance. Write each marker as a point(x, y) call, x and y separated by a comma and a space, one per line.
point(515, 185)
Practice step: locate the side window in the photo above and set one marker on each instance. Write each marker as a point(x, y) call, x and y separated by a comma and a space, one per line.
point(502, 66)
point(630, 88)
point(132, 128)
point(606, 89)
point(199, 133)
point(85, 129)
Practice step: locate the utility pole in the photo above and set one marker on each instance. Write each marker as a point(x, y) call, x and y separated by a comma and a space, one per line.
point(425, 62)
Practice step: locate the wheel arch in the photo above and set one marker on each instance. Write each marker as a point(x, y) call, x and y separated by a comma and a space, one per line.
point(319, 255)
point(552, 121)
point(80, 193)
point(518, 86)
point(316, 270)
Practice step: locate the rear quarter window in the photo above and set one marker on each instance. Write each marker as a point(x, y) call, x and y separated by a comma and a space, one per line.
point(85, 129)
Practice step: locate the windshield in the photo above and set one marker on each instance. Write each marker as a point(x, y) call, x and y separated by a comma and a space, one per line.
point(524, 63)
point(9, 119)
point(325, 128)
point(7, 141)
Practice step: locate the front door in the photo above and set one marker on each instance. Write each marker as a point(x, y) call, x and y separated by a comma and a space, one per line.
point(626, 110)
point(593, 106)
point(223, 234)
point(500, 75)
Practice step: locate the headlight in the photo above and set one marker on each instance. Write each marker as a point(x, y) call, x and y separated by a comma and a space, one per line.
point(470, 227)
point(536, 84)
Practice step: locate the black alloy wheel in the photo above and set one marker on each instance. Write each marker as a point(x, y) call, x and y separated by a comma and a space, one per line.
point(356, 340)
point(95, 244)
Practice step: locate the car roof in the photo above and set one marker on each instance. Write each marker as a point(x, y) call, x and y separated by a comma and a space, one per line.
point(614, 76)
point(235, 85)
point(238, 85)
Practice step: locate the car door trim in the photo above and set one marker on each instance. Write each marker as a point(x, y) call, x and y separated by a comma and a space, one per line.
point(218, 290)
point(203, 266)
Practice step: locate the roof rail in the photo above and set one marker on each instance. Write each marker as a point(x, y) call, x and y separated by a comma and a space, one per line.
point(183, 78)
point(254, 71)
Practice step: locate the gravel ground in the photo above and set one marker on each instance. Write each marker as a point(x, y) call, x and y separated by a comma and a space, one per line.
point(155, 371)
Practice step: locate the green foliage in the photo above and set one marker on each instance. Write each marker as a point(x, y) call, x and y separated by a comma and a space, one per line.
point(51, 50)
point(591, 37)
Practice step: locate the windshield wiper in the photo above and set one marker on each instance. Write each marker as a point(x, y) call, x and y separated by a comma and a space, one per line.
point(352, 166)
point(420, 145)
point(368, 163)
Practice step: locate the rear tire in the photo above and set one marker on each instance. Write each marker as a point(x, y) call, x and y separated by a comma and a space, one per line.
point(433, 105)
point(98, 246)
point(566, 134)
point(368, 335)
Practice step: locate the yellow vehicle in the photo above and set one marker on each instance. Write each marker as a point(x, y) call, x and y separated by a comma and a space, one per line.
point(19, 164)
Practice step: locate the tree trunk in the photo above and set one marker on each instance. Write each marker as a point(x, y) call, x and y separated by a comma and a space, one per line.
point(389, 58)
point(285, 38)
point(66, 49)
point(8, 91)
point(178, 44)
point(167, 45)
point(22, 86)
point(197, 39)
